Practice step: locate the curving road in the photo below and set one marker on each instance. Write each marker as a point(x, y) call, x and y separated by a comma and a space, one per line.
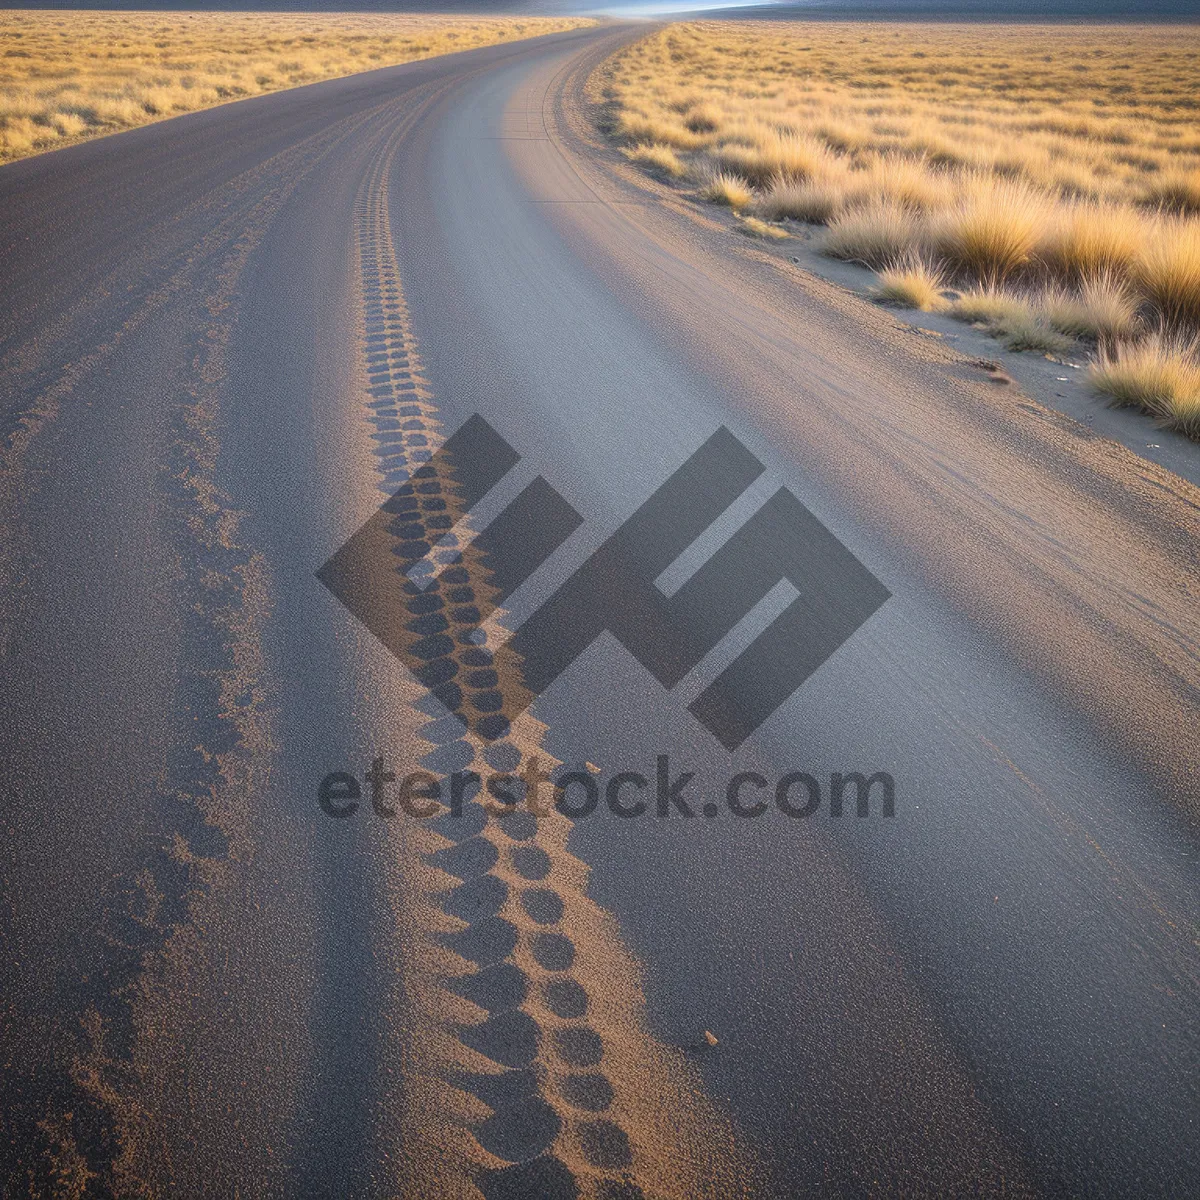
point(225, 340)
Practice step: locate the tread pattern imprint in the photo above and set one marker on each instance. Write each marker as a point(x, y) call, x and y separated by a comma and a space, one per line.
point(529, 1039)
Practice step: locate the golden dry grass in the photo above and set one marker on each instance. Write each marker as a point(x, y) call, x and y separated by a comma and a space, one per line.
point(1019, 321)
point(1160, 374)
point(724, 187)
point(1168, 271)
point(874, 233)
point(65, 76)
point(913, 282)
point(753, 227)
point(1051, 172)
point(990, 307)
point(1030, 331)
point(991, 230)
point(1077, 109)
point(1103, 308)
point(657, 157)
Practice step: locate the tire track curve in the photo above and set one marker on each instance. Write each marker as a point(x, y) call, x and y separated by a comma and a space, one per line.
point(531, 1008)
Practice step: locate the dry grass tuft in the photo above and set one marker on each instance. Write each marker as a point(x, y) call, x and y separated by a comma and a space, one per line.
point(1084, 239)
point(875, 234)
point(65, 76)
point(990, 307)
point(814, 201)
point(1104, 309)
point(1028, 331)
point(1168, 271)
point(915, 283)
point(1160, 374)
point(1064, 310)
point(700, 117)
point(657, 157)
point(992, 228)
point(1019, 322)
point(733, 191)
point(636, 126)
point(1177, 189)
point(766, 155)
point(753, 227)
point(914, 183)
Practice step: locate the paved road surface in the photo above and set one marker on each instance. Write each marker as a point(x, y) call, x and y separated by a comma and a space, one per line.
point(225, 339)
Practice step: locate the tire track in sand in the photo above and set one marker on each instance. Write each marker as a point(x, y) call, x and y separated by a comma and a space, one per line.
point(532, 1051)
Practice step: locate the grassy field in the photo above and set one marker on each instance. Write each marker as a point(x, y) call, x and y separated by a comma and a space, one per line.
point(65, 76)
point(1042, 181)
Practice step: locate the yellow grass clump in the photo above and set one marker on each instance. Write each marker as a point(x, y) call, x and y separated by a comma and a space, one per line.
point(753, 227)
point(874, 233)
point(1168, 271)
point(1028, 330)
point(657, 157)
point(1018, 320)
point(762, 156)
point(1104, 308)
point(1160, 374)
point(1082, 239)
point(815, 201)
point(1051, 174)
point(723, 187)
point(913, 282)
point(914, 183)
point(1179, 189)
point(65, 76)
point(992, 227)
point(990, 307)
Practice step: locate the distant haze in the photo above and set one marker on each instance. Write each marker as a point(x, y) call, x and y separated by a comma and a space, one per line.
point(1007, 10)
point(315, 6)
point(309, 6)
point(962, 10)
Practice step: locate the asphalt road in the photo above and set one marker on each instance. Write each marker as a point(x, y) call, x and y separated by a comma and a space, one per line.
point(225, 340)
